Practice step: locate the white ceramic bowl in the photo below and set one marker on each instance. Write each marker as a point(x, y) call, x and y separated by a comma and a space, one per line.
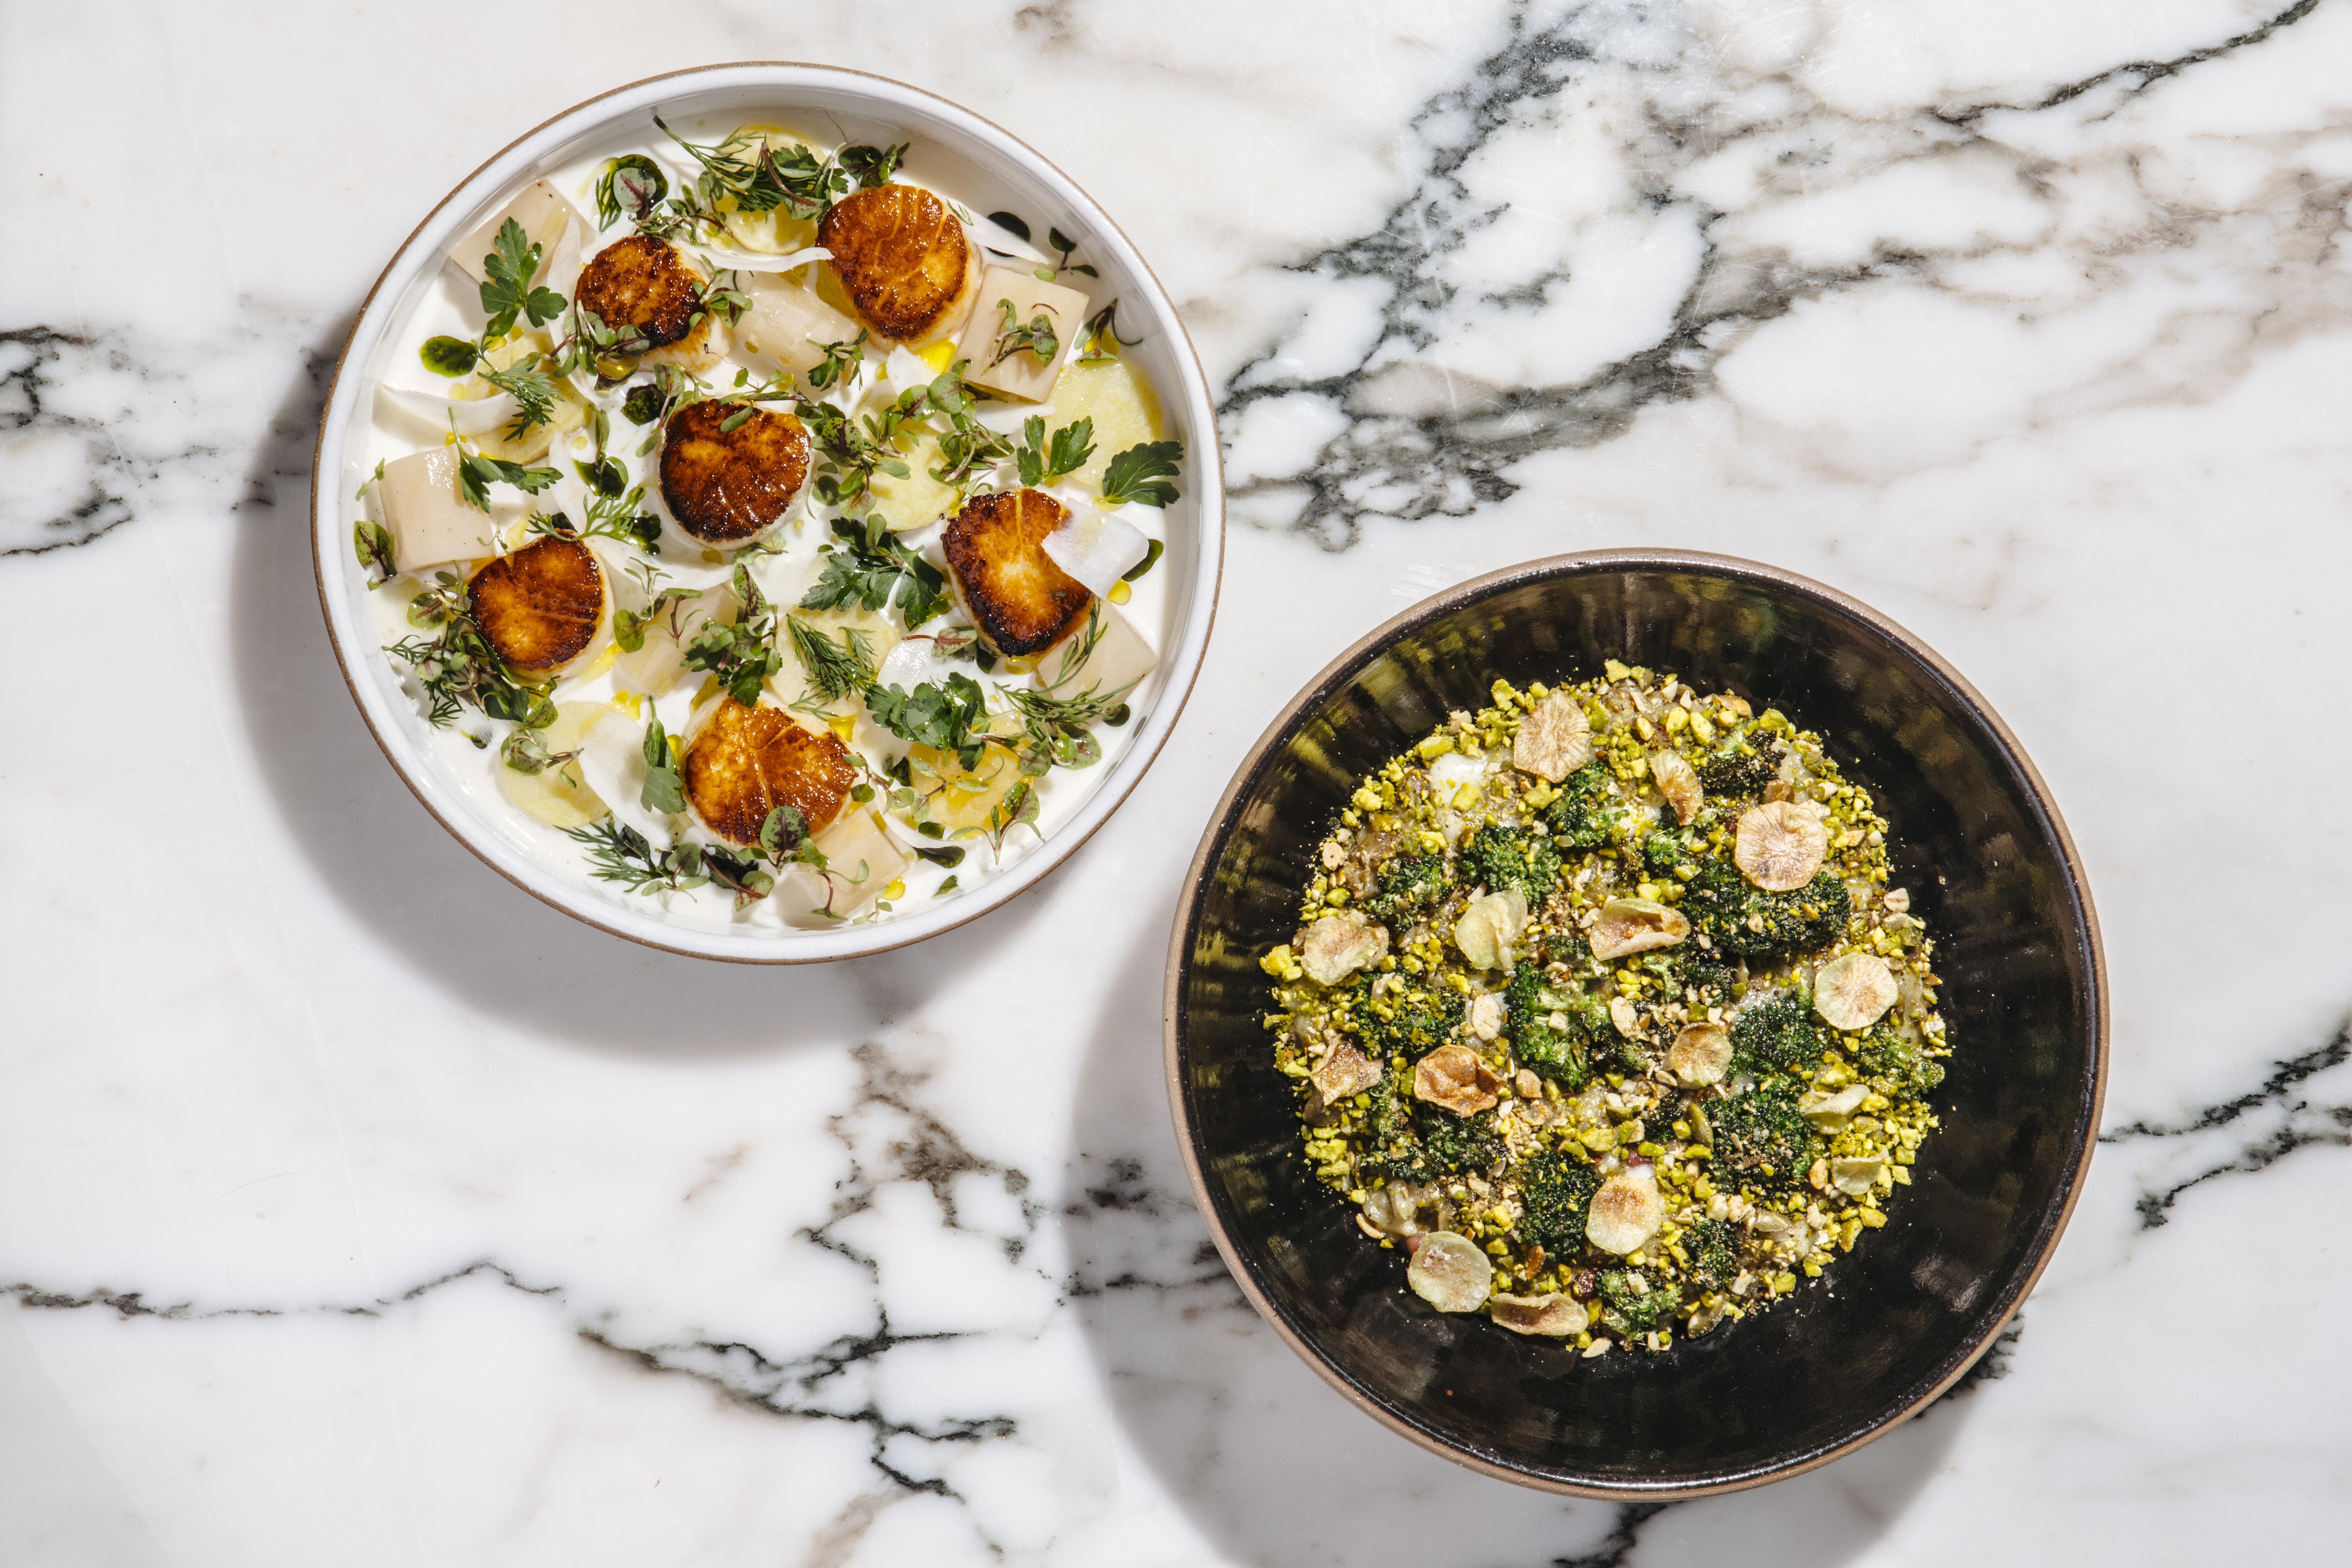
point(956, 150)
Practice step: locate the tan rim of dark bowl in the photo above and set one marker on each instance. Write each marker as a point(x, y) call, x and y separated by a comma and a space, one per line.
point(1318, 689)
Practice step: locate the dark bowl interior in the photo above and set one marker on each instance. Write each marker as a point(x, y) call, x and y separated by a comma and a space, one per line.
point(1989, 868)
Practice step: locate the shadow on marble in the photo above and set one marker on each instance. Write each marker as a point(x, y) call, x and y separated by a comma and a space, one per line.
point(1274, 1467)
point(417, 891)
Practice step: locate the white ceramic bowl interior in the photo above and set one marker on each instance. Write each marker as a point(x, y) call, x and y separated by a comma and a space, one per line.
point(955, 151)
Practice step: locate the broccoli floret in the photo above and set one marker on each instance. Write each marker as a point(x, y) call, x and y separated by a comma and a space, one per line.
point(1737, 917)
point(1412, 1141)
point(1629, 1310)
point(1713, 1258)
point(1458, 1143)
point(1555, 1192)
point(1562, 1054)
point(1411, 1022)
point(1667, 846)
point(1899, 1063)
point(1779, 1035)
point(1741, 768)
point(1699, 971)
point(1760, 1134)
point(1513, 858)
point(1580, 816)
point(1408, 883)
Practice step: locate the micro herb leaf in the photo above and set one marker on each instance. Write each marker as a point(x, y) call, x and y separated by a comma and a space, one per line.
point(663, 790)
point(1143, 474)
point(941, 717)
point(619, 853)
point(1012, 223)
point(784, 829)
point(632, 186)
point(872, 165)
point(448, 356)
point(835, 669)
point(373, 547)
point(944, 889)
point(834, 369)
point(1036, 336)
point(476, 473)
point(370, 482)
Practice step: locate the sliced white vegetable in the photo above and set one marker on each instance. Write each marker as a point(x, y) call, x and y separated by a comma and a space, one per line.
point(476, 417)
point(912, 663)
point(903, 370)
point(1450, 1273)
point(1097, 548)
point(1006, 419)
point(721, 259)
point(613, 762)
point(564, 261)
point(1625, 1213)
point(995, 236)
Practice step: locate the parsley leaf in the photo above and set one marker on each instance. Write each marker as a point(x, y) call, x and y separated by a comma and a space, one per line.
point(507, 291)
point(873, 567)
point(1043, 462)
point(941, 716)
point(872, 165)
point(1142, 473)
point(476, 473)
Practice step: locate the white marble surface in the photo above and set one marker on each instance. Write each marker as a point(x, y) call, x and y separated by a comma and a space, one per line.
point(356, 1209)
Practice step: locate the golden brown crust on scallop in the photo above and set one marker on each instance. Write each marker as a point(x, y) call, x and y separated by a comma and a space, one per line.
point(724, 485)
point(645, 283)
point(902, 259)
point(1023, 602)
point(746, 761)
point(538, 607)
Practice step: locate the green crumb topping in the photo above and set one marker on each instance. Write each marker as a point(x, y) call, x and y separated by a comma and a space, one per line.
point(1595, 983)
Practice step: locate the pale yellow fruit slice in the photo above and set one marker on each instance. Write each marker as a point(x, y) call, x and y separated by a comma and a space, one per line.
point(917, 500)
point(559, 796)
point(775, 232)
point(1116, 397)
point(571, 409)
point(955, 799)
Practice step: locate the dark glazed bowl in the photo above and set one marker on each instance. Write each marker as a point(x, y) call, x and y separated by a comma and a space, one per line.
point(1892, 1324)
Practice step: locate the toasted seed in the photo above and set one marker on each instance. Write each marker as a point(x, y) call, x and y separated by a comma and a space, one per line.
point(540, 607)
point(1855, 991)
point(1456, 1078)
point(1023, 600)
point(1450, 1273)
point(904, 261)
point(642, 283)
point(743, 763)
point(1780, 843)
point(725, 486)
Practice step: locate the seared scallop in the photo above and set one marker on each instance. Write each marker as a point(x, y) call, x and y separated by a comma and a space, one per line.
point(905, 263)
point(1023, 602)
point(538, 607)
point(725, 486)
point(644, 283)
point(743, 763)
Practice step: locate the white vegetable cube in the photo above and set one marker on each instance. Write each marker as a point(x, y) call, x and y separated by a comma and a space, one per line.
point(1019, 372)
point(788, 324)
point(1119, 657)
point(861, 862)
point(539, 207)
point(430, 522)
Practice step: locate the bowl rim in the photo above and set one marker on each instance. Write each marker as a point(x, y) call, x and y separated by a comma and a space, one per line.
point(1182, 656)
point(1579, 564)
